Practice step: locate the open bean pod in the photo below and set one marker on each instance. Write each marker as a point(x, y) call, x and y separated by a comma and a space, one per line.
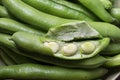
point(56, 48)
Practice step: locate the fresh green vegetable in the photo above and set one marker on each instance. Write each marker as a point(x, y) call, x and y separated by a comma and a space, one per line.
point(48, 21)
point(11, 26)
point(7, 60)
point(112, 49)
point(106, 29)
point(73, 31)
point(5, 41)
point(3, 12)
point(56, 9)
point(81, 47)
point(77, 7)
point(97, 8)
point(56, 48)
point(31, 15)
point(19, 59)
point(35, 71)
point(84, 30)
point(106, 3)
point(89, 63)
point(113, 61)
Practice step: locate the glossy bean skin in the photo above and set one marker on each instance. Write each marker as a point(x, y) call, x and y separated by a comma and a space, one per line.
point(35, 17)
point(49, 21)
point(37, 71)
point(53, 8)
point(77, 7)
point(97, 8)
point(11, 26)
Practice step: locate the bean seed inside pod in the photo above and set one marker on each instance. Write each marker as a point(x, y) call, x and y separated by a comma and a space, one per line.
point(88, 47)
point(54, 46)
point(69, 49)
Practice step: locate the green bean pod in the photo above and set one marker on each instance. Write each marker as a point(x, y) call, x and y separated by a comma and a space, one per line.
point(3, 12)
point(77, 7)
point(11, 26)
point(112, 49)
point(19, 59)
point(89, 63)
point(113, 61)
point(56, 48)
point(106, 29)
point(56, 9)
point(4, 41)
point(46, 21)
point(97, 8)
point(74, 31)
point(7, 60)
point(31, 15)
point(35, 71)
point(79, 30)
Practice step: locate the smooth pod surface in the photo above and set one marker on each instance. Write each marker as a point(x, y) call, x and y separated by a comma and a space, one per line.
point(36, 71)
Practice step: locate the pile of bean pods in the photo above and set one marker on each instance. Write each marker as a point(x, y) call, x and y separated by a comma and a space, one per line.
point(59, 39)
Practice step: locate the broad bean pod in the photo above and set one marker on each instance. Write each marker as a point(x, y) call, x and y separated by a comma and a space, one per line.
point(56, 9)
point(6, 59)
point(19, 59)
point(97, 8)
point(46, 21)
point(35, 71)
point(79, 30)
point(77, 7)
point(113, 61)
point(112, 49)
point(4, 41)
point(31, 15)
point(89, 63)
point(56, 48)
point(11, 26)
